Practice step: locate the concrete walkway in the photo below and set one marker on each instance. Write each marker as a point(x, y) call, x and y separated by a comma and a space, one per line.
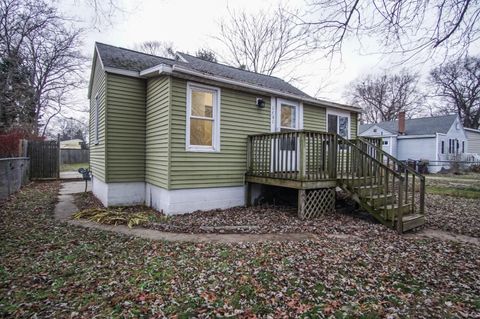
point(66, 207)
point(70, 175)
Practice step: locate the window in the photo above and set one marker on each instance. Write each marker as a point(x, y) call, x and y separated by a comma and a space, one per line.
point(450, 146)
point(95, 118)
point(203, 125)
point(338, 124)
point(463, 146)
point(443, 147)
point(288, 117)
point(385, 142)
point(374, 130)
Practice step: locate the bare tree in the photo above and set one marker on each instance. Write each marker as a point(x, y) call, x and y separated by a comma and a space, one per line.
point(103, 10)
point(39, 43)
point(405, 26)
point(457, 84)
point(263, 42)
point(159, 48)
point(206, 54)
point(382, 97)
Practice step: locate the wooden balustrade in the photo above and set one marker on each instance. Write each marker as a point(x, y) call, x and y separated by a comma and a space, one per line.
point(297, 155)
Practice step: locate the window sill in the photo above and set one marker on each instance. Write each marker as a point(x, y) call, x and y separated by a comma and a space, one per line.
point(194, 149)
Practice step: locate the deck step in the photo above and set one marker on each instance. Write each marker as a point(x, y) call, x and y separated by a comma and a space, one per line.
point(367, 190)
point(390, 210)
point(380, 199)
point(413, 221)
point(361, 181)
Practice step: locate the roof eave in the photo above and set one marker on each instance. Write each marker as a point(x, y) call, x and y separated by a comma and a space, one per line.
point(318, 102)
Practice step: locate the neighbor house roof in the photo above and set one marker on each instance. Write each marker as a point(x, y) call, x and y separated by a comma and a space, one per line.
point(136, 63)
point(418, 126)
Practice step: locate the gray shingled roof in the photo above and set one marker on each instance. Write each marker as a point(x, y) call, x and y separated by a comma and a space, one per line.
point(126, 59)
point(419, 126)
point(229, 72)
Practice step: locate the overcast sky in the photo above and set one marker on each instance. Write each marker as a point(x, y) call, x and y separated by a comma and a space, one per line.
point(191, 25)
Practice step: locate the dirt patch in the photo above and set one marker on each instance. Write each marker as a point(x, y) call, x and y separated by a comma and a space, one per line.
point(266, 219)
point(249, 220)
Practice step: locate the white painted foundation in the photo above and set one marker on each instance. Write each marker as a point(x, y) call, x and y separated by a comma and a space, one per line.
point(115, 194)
point(171, 202)
point(182, 201)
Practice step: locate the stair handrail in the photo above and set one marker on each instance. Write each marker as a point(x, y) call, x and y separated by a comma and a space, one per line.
point(346, 141)
point(399, 163)
point(404, 168)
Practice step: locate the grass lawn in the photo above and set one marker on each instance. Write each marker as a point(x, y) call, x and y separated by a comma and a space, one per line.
point(73, 167)
point(467, 186)
point(50, 270)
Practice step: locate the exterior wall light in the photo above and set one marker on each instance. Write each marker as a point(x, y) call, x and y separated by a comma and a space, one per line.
point(260, 103)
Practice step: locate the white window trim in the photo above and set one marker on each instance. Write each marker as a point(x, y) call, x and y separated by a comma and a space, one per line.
point(342, 114)
point(96, 119)
point(216, 119)
point(298, 112)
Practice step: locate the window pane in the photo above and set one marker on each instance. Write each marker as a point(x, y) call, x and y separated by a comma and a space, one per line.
point(332, 123)
point(288, 116)
point(201, 132)
point(202, 104)
point(343, 126)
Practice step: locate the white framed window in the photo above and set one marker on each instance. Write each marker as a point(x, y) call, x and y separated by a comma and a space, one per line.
point(338, 122)
point(289, 115)
point(95, 119)
point(203, 118)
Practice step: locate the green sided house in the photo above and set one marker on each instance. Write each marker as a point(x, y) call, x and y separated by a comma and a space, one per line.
point(186, 134)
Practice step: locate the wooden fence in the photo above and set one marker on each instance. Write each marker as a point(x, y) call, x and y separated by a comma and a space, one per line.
point(44, 159)
point(73, 156)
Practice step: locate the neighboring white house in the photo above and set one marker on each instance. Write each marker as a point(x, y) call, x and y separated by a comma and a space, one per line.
point(436, 139)
point(71, 144)
point(473, 137)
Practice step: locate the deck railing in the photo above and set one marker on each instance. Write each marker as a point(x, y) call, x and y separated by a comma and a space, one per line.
point(297, 155)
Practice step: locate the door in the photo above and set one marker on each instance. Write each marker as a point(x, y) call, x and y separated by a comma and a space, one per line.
point(339, 123)
point(285, 153)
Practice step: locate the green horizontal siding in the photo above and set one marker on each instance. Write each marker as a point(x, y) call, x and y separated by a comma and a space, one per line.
point(353, 124)
point(239, 118)
point(97, 151)
point(125, 129)
point(157, 131)
point(314, 118)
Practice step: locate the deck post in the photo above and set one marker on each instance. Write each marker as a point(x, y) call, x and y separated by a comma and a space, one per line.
point(302, 157)
point(400, 206)
point(301, 203)
point(248, 194)
point(249, 155)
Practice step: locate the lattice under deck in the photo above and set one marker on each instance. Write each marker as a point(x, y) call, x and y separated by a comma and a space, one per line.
point(315, 202)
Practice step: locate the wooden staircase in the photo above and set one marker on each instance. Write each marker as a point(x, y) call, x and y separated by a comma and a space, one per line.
point(385, 187)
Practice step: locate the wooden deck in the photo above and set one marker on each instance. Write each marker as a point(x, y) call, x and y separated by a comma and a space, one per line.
point(310, 161)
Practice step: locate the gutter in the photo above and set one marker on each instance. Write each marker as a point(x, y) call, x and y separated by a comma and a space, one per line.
point(156, 70)
point(416, 136)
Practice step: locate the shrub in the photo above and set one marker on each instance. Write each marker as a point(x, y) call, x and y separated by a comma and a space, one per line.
point(112, 217)
point(475, 168)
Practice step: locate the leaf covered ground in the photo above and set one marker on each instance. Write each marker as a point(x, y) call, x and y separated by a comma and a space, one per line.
point(51, 270)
